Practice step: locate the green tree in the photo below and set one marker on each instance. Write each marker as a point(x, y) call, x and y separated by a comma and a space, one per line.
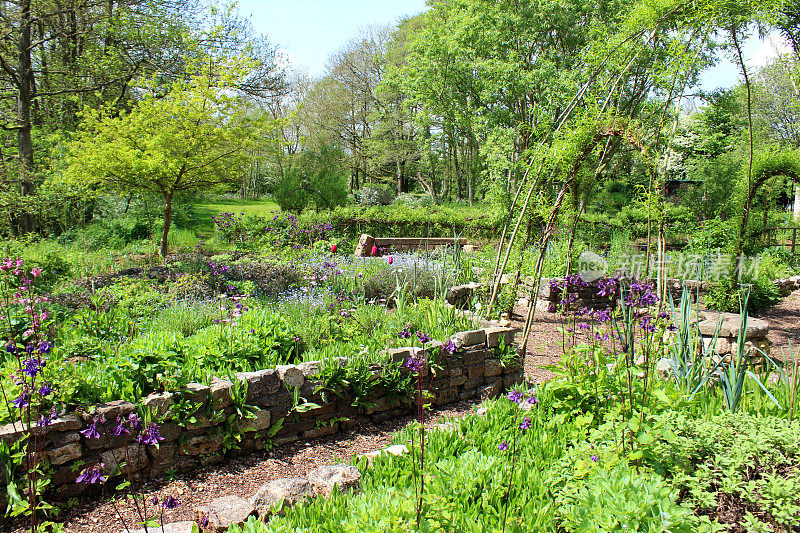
point(193, 137)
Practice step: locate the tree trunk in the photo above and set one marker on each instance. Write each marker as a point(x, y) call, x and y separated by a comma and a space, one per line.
point(164, 247)
point(24, 141)
point(399, 177)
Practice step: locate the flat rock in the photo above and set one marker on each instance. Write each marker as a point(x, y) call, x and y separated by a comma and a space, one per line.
point(469, 338)
point(259, 423)
point(278, 494)
point(291, 375)
point(496, 335)
point(221, 513)
point(756, 328)
point(709, 327)
point(221, 393)
point(329, 478)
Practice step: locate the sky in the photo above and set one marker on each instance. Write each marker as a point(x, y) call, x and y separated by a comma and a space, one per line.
point(309, 31)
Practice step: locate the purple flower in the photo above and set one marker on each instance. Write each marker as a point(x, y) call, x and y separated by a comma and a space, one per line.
point(45, 390)
point(120, 429)
point(21, 401)
point(423, 337)
point(526, 423)
point(450, 347)
point(594, 458)
point(134, 421)
point(92, 475)
point(32, 367)
point(533, 400)
point(169, 502)
point(11, 347)
point(414, 363)
point(603, 316)
point(405, 334)
point(150, 436)
point(515, 396)
point(503, 446)
point(154, 500)
point(92, 431)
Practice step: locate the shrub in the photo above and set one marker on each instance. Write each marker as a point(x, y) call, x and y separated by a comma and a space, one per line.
point(375, 195)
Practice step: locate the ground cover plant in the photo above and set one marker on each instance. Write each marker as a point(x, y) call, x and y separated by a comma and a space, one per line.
point(607, 445)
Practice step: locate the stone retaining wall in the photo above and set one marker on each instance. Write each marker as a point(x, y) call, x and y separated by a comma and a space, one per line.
point(472, 373)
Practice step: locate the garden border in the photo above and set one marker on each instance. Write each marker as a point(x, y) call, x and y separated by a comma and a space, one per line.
point(474, 372)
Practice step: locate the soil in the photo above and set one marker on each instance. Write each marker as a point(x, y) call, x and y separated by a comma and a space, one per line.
point(242, 476)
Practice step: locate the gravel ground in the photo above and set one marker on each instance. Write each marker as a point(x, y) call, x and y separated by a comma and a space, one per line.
point(242, 476)
point(784, 325)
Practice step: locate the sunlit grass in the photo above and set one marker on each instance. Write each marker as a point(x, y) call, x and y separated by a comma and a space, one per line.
point(208, 208)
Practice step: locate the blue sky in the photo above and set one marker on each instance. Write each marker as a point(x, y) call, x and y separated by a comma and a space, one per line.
point(309, 31)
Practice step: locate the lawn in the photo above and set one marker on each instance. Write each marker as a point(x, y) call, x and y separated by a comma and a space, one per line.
point(207, 208)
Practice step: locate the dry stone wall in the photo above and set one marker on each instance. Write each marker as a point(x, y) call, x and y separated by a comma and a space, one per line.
point(474, 372)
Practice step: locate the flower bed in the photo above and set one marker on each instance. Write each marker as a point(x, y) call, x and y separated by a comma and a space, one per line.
point(201, 424)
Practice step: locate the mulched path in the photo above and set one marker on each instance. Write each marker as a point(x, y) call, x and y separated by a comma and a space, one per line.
point(784, 325)
point(244, 475)
point(544, 344)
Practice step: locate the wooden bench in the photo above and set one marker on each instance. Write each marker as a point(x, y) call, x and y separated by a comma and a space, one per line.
point(401, 244)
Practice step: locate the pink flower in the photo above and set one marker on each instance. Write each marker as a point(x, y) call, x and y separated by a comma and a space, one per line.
point(36, 272)
point(391, 259)
point(334, 248)
point(374, 251)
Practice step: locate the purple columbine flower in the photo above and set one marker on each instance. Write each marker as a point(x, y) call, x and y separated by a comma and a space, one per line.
point(503, 446)
point(92, 431)
point(120, 429)
point(134, 421)
point(423, 337)
point(526, 423)
point(21, 401)
point(450, 347)
point(150, 436)
point(414, 363)
point(595, 458)
point(45, 390)
point(533, 400)
point(405, 333)
point(169, 502)
point(515, 396)
point(92, 475)
point(603, 316)
point(32, 367)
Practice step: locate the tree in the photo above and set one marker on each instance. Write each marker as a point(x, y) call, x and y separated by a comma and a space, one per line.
point(192, 138)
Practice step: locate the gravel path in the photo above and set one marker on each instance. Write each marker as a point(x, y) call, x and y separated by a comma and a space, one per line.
point(784, 325)
point(545, 342)
point(244, 475)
